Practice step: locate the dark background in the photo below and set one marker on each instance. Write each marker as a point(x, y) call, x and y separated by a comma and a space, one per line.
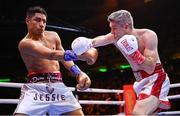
point(74, 18)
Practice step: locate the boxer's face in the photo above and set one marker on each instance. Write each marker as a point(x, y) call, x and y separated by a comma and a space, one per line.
point(37, 23)
point(116, 29)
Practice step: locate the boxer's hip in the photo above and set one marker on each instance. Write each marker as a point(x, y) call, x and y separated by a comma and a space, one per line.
point(141, 74)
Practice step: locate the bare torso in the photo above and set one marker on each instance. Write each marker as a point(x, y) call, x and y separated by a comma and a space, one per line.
point(38, 64)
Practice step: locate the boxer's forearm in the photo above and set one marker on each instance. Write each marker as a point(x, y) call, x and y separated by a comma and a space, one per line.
point(56, 55)
point(67, 55)
point(102, 40)
point(99, 41)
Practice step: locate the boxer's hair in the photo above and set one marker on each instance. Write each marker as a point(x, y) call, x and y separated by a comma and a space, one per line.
point(121, 17)
point(36, 9)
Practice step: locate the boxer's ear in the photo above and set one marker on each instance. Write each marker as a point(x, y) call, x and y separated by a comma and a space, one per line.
point(27, 20)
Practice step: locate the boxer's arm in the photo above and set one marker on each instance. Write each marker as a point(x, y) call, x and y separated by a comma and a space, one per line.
point(29, 47)
point(150, 52)
point(83, 80)
point(69, 65)
point(145, 60)
point(40, 51)
point(103, 40)
point(129, 44)
point(82, 44)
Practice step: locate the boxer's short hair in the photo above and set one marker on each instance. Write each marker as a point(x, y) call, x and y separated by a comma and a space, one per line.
point(121, 17)
point(36, 9)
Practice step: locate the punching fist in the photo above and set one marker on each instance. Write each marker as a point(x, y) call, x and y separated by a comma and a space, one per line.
point(84, 81)
point(91, 56)
point(81, 45)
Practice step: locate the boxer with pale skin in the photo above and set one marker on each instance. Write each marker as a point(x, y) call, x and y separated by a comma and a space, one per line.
point(41, 52)
point(139, 47)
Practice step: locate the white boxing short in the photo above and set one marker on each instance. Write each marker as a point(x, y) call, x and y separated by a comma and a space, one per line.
point(156, 84)
point(42, 98)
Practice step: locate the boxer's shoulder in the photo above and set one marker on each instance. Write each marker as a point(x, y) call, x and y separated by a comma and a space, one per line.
point(50, 32)
point(52, 35)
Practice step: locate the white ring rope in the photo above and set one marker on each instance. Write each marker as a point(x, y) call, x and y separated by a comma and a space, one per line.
point(19, 85)
point(9, 101)
point(173, 112)
point(14, 85)
point(175, 85)
point(101, 90)
point(101, 102)
point(15, 101)
point(174, 96)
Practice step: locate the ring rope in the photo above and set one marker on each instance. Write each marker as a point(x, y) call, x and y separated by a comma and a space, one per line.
point(101, 102)
point(15, 101)
point(9, 101)
point(175, 85)
point(19, 85)
point(101, 90)
point(172, 112)
point(14, 85)
point(174, 96)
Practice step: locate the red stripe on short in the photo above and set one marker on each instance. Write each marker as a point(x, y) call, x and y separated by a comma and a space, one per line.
point(156, 89)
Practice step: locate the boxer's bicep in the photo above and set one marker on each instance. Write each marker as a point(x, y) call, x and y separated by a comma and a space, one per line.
point(151, 48)
point(151, 54)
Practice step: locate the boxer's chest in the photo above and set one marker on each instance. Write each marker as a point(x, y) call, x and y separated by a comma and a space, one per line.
point(49, 43)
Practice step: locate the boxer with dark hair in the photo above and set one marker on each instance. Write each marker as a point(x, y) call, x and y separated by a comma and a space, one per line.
point(41, 52)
